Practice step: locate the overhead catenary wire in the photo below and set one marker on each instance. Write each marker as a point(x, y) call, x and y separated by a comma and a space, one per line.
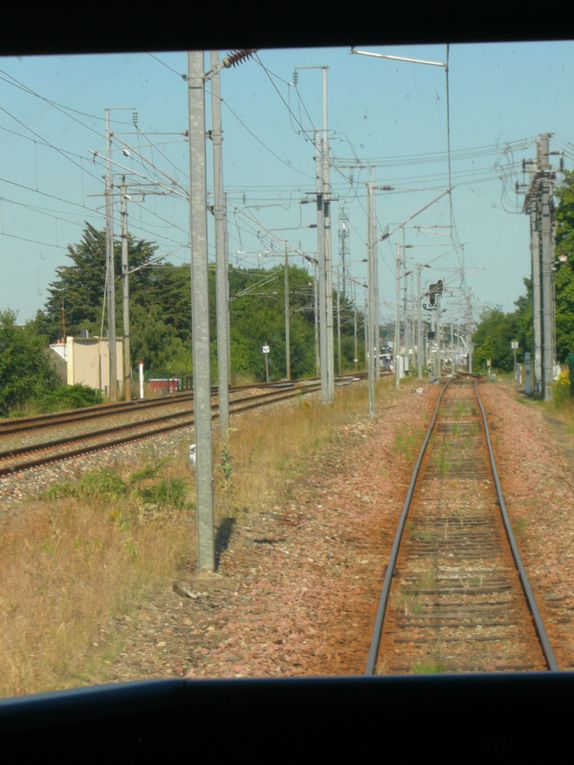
point(47, 143)
point(55, 104)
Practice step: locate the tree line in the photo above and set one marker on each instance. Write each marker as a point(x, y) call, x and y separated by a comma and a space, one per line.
point(496, 328)
point(160, 318)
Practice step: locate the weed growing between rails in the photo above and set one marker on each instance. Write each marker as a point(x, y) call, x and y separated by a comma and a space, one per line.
point(408, 443)
point(84, 553)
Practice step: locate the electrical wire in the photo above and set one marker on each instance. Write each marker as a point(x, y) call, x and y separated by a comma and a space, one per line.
point(59, 107)
point(47, 143)
point(50, 196)
point(39, 210)
point(167, 66)
point(32, 241)
point(262, 143)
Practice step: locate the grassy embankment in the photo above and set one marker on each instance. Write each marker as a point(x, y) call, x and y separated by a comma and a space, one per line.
point(90, 550)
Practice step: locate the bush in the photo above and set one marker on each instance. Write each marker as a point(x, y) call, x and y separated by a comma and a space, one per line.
point(25, 372)
point(69, 397)
point(169, 492)
point(561, 389)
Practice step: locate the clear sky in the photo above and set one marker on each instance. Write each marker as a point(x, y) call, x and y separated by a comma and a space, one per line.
point(392, 115)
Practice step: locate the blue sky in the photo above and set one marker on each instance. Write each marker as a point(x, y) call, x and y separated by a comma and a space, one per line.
point(388, 114)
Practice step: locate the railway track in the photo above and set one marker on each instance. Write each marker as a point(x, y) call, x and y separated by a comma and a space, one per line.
point(16, 456)
point(37, 422)
point(455, 596)
point(23, 424)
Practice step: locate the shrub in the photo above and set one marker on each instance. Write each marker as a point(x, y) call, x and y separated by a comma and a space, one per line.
point(69, 397)
point(561, 388)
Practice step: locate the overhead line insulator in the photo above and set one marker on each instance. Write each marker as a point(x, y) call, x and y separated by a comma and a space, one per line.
point(237, 57)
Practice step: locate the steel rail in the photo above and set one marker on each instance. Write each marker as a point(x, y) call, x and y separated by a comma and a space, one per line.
point(530, 599)
point(53, 419)
point(383, 600)
point(270, 398)
point(18, 450)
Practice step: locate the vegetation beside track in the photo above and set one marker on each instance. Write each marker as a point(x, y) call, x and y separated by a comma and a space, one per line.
point(88, 551)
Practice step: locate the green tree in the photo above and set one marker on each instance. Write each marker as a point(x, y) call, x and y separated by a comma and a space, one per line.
point(564, 284)
point(160, 301)
point(492, 339)
point(76, 296)
point(160, 311)
point(25, 372)
point(157, 343)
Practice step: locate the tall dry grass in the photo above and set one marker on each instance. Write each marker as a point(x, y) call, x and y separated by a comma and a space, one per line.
point(270, 447)
point(73, 561)
point(91, 550)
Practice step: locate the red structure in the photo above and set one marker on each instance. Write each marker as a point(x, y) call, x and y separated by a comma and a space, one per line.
point(164, 385)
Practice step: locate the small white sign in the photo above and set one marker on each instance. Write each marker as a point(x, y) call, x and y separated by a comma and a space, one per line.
point(265, 349)
point(514, 345)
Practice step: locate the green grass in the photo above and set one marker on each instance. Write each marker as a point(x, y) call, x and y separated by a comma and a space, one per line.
point(407, 443)
point(430, 667)
point(423, 535)
point(441, 459)
point(519, 526)
point(410, 604)
point(108, 484)
point(426, 581)
point(81, 555)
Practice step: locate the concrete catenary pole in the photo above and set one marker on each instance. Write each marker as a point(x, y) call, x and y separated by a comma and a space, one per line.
point(110, 266)
point(328, 246)
point(536, 299)
point(316, 321)
point(371, 314)
point(376, 308)
point(397, 339)
point(419, 324)
point(287, 328)
point(366, 329)
point(221, 275)
point(355, 337)
point(339, 359)
point(127, 371)
point(539, 206)
point(438, 359)
point(547, 263)
point(200, 314)
point(343, 248)
point(323, 345)
point(469, 346)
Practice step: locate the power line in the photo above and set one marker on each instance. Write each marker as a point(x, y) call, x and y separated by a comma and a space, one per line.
point(39, 211)
point(46, 142)
point(60, 107)
point(167, 66)
point(50, 196)
point(32, 241)
point(267, 148)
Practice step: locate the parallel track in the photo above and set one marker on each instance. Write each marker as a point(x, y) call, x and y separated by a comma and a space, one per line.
point(18, 458)
point(53, 419)
point(456, 597)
